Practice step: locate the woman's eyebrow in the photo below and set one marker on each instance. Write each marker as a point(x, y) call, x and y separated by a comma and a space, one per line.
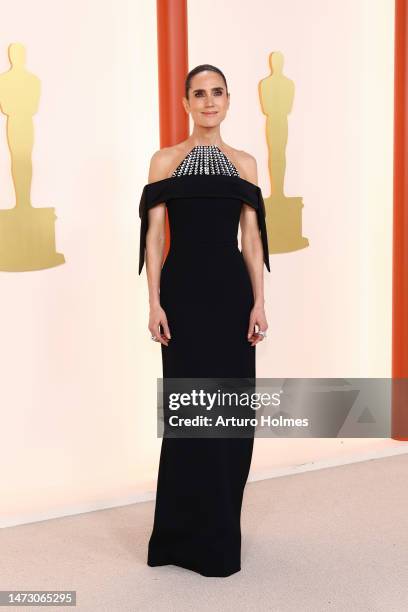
point(213, 88)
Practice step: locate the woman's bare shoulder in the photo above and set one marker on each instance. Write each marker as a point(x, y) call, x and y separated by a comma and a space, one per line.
point(163, 160)
point(245, 164)
point(159, 164)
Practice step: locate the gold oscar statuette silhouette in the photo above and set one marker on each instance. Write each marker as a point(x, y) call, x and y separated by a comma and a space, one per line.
point(27, 233)
point(283, 214)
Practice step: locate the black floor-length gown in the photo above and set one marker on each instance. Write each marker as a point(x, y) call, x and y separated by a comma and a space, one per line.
point(206, 292)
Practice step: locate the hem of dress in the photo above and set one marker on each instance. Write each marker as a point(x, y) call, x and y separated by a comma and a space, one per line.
point(193, 568)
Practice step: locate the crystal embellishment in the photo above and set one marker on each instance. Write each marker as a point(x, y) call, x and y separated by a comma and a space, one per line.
point(206, 159)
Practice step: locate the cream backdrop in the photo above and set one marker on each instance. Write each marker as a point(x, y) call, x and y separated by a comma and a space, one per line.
point(78, 369)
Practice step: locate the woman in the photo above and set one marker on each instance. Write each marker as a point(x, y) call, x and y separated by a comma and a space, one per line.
point(205, 304)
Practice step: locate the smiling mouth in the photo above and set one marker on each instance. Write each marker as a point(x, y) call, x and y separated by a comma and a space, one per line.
point(210, 113)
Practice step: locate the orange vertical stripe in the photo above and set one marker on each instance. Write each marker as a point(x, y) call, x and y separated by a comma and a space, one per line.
point(399, 421)
point(172, 43)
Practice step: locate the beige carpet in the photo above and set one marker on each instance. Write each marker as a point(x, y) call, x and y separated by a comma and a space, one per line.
point(332, 539)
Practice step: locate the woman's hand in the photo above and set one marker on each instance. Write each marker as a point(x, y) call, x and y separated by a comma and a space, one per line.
point(257, 317)
point(158, 317)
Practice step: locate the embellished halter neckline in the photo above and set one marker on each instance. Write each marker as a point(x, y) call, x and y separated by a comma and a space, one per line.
point(206, 159)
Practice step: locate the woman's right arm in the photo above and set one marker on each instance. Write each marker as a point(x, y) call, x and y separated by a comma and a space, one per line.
point(155, 243)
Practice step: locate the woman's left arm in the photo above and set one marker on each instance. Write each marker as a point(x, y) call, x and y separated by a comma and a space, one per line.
point(252, 252)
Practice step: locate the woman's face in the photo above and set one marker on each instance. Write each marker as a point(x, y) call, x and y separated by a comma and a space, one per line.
point(207, 99)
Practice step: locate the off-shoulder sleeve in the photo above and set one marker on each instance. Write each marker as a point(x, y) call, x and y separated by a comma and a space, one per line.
point(143, 227)
point(261, 214)
point(152, 194)
point(251, 194)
